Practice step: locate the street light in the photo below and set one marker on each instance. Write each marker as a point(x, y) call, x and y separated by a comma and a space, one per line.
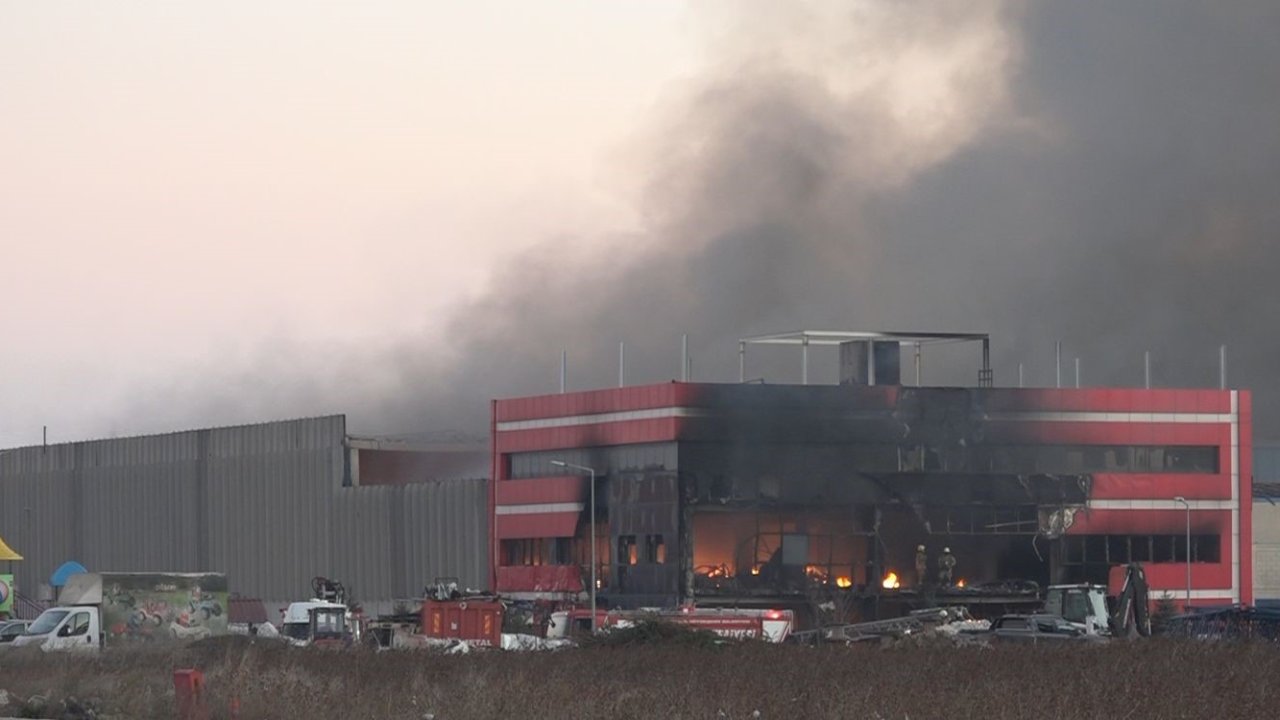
point(584, 468)
point(1187, 505)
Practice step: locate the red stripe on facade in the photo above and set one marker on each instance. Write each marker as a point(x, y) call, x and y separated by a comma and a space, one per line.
point(1244, 408)
point(616, 433)
point(494, 476)
point(1119, 486)
point(1173, 577)
point(537, 525)
point(571, 488)
point(1153, 522)
point(639, 397)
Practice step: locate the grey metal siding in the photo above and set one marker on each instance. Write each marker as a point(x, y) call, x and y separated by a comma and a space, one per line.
point(447, 533)
point(1266, 463)
point(392, 541)
point(263, 503)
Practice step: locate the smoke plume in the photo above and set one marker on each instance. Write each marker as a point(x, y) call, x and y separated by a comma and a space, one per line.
point(1097, 173)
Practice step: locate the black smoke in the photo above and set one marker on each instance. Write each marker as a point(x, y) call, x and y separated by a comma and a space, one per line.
point(1113, 182)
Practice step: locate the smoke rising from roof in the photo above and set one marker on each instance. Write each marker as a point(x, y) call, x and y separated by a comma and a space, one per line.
point(1097, 173)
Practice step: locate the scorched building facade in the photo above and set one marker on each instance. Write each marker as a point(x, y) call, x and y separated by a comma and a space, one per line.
point(752, 493)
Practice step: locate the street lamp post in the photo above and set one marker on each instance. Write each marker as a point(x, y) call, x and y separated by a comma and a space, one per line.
point(592, 473)
point(1187, 505)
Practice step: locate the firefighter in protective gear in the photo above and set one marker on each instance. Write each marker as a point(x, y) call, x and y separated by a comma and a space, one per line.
point(922, 566)
point(946, 564)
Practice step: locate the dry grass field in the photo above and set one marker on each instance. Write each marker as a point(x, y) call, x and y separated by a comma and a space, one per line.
point(673, 679)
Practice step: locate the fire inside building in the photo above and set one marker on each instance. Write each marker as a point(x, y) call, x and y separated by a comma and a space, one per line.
point(757, 494)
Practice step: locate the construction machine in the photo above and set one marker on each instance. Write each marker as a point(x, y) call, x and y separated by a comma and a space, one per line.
point(1086, 606)
point(324, 620)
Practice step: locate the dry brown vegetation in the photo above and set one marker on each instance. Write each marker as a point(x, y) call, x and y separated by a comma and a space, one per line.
point(1146, 679)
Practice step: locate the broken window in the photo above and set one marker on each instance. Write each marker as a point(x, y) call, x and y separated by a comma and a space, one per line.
point(1096, 458)
point(627, 550)
point(518, 552)
point(655, 549)
point(1110, 550)
point(1117, 549)
point(537, 551)
point(1140, 546)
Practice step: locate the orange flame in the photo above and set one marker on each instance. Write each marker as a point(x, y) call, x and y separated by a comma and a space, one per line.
point(960, 583)
point(816, 573)
point(843, 582)
point(891, 581)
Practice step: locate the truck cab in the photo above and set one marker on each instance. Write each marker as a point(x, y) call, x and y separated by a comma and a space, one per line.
point(318, 622)
point(1084, 606)
point(73, 628)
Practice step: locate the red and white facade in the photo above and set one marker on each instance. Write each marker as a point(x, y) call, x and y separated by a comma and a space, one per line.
point(533, 504)
point(1219, 503)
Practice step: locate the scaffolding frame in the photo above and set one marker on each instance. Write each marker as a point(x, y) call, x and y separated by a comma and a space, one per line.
point(806, 338)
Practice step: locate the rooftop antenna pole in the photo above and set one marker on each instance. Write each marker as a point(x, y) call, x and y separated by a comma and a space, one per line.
point(1146, 369)
point(1222, 367)
point(684, 358)
point(804, 359)
point(742, 361)
point(1077, 373)
point(1057, 364)
point(564, 362)
point(871, 362)
point(622, 363)
point(987, 378)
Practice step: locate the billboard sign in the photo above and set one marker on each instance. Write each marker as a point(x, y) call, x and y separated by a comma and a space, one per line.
point(6, 594)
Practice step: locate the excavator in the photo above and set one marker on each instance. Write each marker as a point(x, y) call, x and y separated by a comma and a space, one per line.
point(1085, 606)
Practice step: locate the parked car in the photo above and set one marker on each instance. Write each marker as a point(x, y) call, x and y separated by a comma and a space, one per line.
point(11, 629)
point(1037, 628)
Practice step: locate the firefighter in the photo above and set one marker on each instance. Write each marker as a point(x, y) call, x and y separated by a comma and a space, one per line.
point(922, 566)
point(946, 564)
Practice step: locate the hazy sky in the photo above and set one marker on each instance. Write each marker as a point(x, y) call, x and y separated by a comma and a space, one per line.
point(221, 212)
point(184, 183)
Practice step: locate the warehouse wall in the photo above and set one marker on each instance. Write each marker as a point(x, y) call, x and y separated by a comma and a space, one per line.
point(1266, 523)
point(1266, 549)
point(263, 503)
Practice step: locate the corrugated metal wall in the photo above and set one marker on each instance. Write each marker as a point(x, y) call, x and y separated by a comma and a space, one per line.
point(263, 503)
point(1266, 463)
point(391, 542)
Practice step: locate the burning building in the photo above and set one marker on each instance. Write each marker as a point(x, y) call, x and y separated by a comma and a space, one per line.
point(758, 494)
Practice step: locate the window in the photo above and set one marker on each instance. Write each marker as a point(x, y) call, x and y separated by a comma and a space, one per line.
point(655, 550)
point(1206, 548)
point(517, 552)
point(78, 625)
point(537, 551)
point(1107, 550)
point(1140, 546)
point(1096, 458)
point(627, 554)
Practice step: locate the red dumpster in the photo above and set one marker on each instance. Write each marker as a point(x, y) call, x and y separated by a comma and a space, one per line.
point(478, 622)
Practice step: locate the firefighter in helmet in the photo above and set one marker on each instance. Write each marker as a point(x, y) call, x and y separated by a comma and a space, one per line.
point(946, 564)
point(922, 566)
